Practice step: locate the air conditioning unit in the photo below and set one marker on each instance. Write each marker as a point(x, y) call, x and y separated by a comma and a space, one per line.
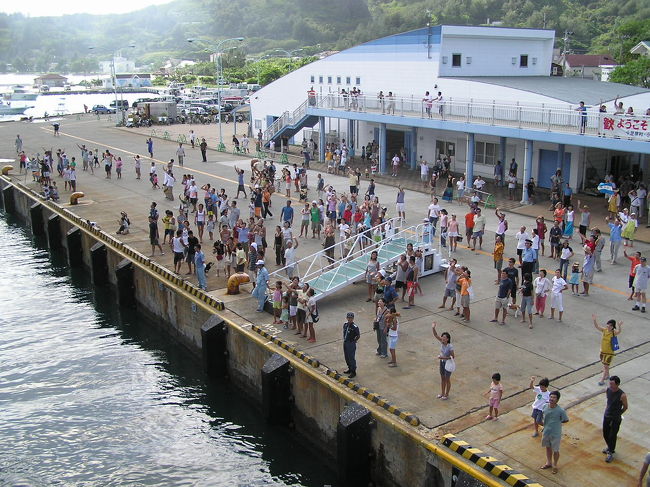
point(468, 60)
point(444, 59)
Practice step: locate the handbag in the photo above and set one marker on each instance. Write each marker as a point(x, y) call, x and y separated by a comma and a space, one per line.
point(450, 364)
point(615, 345)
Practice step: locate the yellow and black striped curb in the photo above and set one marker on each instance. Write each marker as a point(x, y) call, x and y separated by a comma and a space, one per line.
point(131, 253)
point(488, 463)
point(410, 418)
point(302, 356)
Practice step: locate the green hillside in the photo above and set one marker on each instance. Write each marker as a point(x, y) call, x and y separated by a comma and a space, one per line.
point(61, 43)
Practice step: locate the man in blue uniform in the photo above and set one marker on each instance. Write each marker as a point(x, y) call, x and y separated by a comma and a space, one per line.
point(350, 337)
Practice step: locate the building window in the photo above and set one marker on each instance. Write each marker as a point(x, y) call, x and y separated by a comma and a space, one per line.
point(468, 60)
point(338, 80)
point(455, 60)
point(347, 80)
point(320, 80)
point(523, 61)
point(358, 80)
point(258, 124)
point(485, 153)
point(312, 79)
point(329, 80)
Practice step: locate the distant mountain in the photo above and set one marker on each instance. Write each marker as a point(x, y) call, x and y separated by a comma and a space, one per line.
point(161, 32)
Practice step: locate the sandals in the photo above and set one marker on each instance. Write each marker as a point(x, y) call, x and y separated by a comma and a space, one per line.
point(546, 466)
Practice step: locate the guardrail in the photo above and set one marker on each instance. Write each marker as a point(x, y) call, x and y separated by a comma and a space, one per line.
point(550, 118)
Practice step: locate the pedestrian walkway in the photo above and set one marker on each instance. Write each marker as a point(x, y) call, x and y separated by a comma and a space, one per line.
point(565, 352)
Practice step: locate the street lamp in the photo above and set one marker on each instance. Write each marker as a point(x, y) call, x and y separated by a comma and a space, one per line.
point(114, 78)
point(290, 52)
point(219, 52)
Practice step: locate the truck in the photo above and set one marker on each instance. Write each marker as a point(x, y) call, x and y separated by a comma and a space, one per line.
point(159, 111)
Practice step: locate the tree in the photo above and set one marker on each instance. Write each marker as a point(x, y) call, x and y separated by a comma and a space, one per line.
point(635, 73)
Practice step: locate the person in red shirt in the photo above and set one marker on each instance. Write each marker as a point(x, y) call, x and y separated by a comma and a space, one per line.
point(634, 261)
point(469, 224)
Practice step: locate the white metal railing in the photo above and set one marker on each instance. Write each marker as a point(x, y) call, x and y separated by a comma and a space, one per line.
point(320, 262)
point(285, 119)
point(538, 116)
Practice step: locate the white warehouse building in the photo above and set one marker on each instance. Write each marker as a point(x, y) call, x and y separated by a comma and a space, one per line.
point(498, 102)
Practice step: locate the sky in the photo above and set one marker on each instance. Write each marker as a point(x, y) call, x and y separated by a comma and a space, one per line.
point(40, 8)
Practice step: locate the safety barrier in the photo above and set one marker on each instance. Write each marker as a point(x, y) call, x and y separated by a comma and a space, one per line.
point(410, 418)
point(302, 356)
point(486, 462)
point(181, 139)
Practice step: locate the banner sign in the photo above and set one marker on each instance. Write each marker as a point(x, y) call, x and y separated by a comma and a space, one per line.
point(625, 126)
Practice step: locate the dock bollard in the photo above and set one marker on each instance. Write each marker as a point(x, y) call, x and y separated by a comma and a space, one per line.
point(75, 250)
point(99, 264)
point(215, 347)
point(276, 390)
point(125, 284)
point(353, 446)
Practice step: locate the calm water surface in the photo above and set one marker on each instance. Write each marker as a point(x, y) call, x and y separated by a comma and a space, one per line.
point(94, 395)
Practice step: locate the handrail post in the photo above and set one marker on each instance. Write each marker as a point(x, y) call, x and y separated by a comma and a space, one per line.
point(493, 111)
point(519, 117)
point(549, 121)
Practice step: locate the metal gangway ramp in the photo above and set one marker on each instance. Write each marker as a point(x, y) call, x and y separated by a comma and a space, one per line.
point(326, 275)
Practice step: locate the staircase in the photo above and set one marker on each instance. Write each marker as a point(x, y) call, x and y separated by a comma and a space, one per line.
point(288, 124)
point(326, 276)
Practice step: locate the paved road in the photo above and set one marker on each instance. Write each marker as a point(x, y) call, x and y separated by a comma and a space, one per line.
point(566, 352)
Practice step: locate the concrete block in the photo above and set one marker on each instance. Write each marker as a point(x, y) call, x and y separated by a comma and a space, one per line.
point(354, 450)
point(36, 218)
point(54, 231)
point(277, 400)
point(8, 199)
point(215, 347)
point(99, 264)
point(125, 284)
point(75, 249)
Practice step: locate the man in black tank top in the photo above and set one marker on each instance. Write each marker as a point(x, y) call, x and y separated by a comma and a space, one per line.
point(616, 406)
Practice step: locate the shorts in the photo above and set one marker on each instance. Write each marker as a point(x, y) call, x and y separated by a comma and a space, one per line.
point(444, 372)
point(582, 229)
point(392, 342)
point(189, 258)
point(193, 200)
point(498, 264)
point(399, 285)
point(477, 234)
point(277, 304)
point(630, 282)
point(399, 207)
point(200, 224)
point(537, 415)
point(315, 226)
point(240, 187)
point(494, 402)
point(301, 314)
point(353, 190)
point(464, 300)
point(588, 277)
point(153, 240)
point(556, 301)
point(293, 310)
point(519, 252)
point(606, 358)
point(501, 303)
point(469, 233)
point(527, 304)
point(178, 257)
point(552, 442)
point(450, 293)
point(169, 231)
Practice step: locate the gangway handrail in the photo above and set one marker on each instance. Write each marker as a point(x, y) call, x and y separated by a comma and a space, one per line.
point(356, 238)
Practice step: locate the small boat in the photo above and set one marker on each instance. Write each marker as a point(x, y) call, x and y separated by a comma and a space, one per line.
point(20, 92)
point(7, 109)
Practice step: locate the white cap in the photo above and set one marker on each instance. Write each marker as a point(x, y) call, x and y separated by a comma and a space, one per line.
point(259, 262)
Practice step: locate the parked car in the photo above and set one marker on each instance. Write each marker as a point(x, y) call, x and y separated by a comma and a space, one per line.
point(102, 109)
point(142, 100)
point(123, 104)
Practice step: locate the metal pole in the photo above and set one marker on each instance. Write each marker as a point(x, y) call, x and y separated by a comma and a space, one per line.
point(114, 85)
point(219, 76)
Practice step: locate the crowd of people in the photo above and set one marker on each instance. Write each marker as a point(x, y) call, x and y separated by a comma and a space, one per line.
point(235, 235)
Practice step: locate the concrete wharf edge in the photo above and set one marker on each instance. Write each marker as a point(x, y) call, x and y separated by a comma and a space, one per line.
point(450, 452)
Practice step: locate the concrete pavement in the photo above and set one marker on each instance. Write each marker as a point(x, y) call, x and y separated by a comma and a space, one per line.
point(565, 352)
